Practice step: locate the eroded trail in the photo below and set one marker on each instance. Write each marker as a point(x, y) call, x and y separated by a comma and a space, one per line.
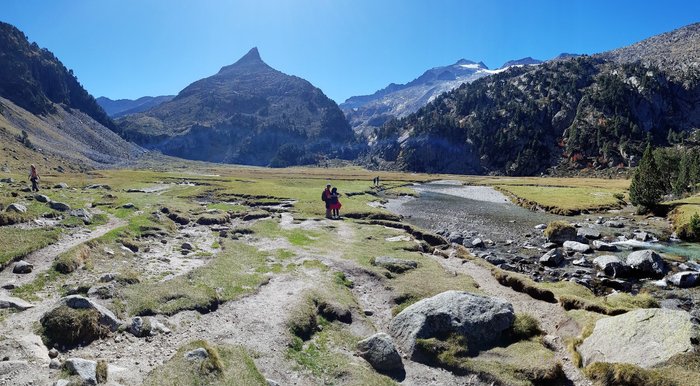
point(44, 258)
point(552, 317)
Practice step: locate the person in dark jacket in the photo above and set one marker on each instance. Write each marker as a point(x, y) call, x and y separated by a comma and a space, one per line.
point(325, 196)
point(335, 203)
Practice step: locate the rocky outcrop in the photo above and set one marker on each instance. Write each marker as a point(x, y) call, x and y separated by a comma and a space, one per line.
point(644, 337)
point(480, 319)
point(380, 352)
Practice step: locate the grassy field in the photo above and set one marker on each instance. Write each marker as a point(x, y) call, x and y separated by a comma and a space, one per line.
point(17, 243)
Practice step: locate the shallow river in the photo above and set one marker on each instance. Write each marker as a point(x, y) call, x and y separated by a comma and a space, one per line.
point(481, 211)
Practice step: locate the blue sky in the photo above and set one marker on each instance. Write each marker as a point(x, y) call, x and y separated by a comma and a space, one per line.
point(132, 48)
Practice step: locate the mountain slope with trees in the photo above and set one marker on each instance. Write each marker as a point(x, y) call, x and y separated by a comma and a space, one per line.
point(576, 112)
point(248, 113)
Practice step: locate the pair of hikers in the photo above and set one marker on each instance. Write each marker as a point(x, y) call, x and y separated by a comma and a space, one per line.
point(331, 198)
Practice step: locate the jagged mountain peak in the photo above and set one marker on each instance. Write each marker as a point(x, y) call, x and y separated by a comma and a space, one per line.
point(250, 59)
point(527, 61)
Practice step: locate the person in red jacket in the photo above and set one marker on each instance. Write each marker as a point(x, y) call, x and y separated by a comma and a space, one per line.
point(335, 203)
point(34, 178)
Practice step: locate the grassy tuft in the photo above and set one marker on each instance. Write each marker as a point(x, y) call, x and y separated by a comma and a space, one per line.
point(69, 327)
point(623, 374)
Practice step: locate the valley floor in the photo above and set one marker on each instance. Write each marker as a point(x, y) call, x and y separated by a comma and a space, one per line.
point(242, 263)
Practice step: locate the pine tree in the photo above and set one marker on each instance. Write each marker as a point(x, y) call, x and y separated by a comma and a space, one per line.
point(647, 187)
point(680, 186)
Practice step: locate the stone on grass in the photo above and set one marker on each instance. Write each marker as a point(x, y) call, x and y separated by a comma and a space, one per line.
point(197, 354)
point(82, 214)
point(552, 258)
point(42, 198)
point(83, 368)
point(380, 352)
point(22, 267)
point(646, 262)
point(59, 206)
point(643, 337)
point(393, 264)
point(15, 207)
point(15, 303)
point(611, 265)
point(61, 185)
point(685, 279)
point(480, 319)
point(577, 247)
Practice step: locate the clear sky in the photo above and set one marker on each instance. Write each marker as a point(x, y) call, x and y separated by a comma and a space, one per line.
point(132, 48)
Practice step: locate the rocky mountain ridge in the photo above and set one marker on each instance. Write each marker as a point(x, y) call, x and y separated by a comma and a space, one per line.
point(121, 107)
point(247, 113)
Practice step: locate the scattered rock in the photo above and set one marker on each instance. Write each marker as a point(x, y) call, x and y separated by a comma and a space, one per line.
point(646, 262)
point(108, 277)
point(380, 352)
point(22, 267)
point(101, 291)
point(158, 327)
point(577, 247)
point(128, 205)
point(603, 246)
point(99, 186)
point(42, 198)
point(552, 258)
point(82, 214)
point(59, 206)
point(477, 243)
point(393, 264)
point(642, 236)
point(61, 185)
point(140, 327)
point(55, 364)
point(549, 245)
point(685, 279)
point(541, 226)
point(187, 246)
point(197, 354)
point(62, 382)
point(588, 233)
point(15, 207)
point(85, 369)
point(480, 319)
point(456, 238)
point(657, 333)
point(53, 353)
point(611, 265)
point(614, 224)
point(8, 180)
point(15, 303)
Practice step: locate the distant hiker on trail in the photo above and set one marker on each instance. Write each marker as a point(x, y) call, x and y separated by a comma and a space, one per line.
point(34, 178)
point(376, 181)
point(325, 197)
point(335, 203)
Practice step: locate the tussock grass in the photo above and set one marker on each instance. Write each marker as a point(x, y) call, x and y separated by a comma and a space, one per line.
point(225, 365)
point(17, 243)
point(72, 259)
point(565, 200)
point(69, 327)
point(623, 374)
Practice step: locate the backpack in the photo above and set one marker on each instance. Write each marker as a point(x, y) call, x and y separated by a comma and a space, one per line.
point(323, 196)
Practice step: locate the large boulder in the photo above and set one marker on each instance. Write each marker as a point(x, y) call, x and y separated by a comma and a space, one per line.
point(393, 264)
point(644, 337)
point(560, 231)
point(380, 352)
point(480, 319)
point(646, 263)
point(611, 265)
point(576, 246)
point(685, 279)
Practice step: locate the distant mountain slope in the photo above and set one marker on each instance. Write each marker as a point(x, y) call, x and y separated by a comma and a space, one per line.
point(674, 52)
point(46, 117)
point(121, 107)
point(368, 112)
point(247, 113)
point(576, 112)
point(34, 79)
